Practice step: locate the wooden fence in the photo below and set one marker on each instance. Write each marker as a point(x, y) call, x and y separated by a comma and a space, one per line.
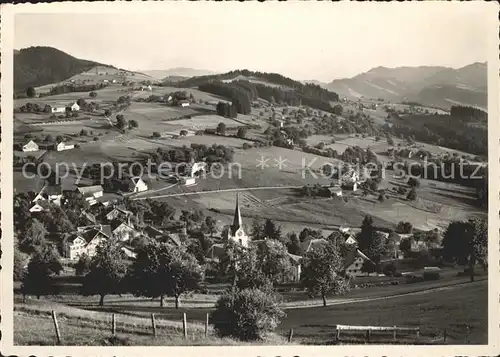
point(367, 330)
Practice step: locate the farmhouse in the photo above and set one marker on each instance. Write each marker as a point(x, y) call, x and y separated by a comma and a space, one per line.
point(105, 81)
point(64, 146)
point(118, 213)
point(183, 103)
point(351, 240)
point(236, 232)
point(55, 110)
point(88, 217)
point(335, 191)
point(296, 261)
point(51, 194)
point(137, 184)
point(123, 231)
point(37, 207)
point(75, 107)
point(85, 241)
point(311, 244)
point(30, 146)
point(354, 261)
point(90, 193)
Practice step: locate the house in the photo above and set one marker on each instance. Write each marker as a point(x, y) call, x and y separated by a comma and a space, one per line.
point(128, 251)
point(85, 240)
point(105, 81)
point(296, 262)
point(91, 193)
point(173, 238)
point(51, 194)
point(354, 261)
point(187, 181)
point(281, 124)
point(37, 207)
point(30, 146)
point(88, 217)
point(194, 169)
point(153, 233)
point(64, 146)
point(351, 240)
point(183, 103)
point(113, 81)
point(118, 213)
point(215, 251)
point(236, 231)
point(75, 107)
point(311, 244)
point(137, 184)
point(55, 110)
point(123, 231)
point(335, 191)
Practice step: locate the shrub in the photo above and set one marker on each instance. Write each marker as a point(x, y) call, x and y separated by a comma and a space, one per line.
point(156, 134)
point(247, 314)
point(389, 269)
point(246, 146)
point(432, 275)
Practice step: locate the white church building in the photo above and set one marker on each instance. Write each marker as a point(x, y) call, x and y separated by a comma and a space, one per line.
point(235, 231)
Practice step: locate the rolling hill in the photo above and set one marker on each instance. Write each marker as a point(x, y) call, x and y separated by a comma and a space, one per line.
point(182, 72)
point(37, 66)
point(433, 86)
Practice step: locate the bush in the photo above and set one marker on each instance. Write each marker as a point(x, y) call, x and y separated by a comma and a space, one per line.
point(247, 314)
point(389, 269)
point(246, 146)
point(156, 134)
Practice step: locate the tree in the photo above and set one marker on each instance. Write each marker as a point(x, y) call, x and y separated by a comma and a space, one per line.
point(183, 132)
point(365, 236)
point(221, 129)
point(256, 232)
point(413, 182)
point(81, 102)
point(404, 227)
point(294, 244)
point(412, 195)
point(93, 94)
point(82, 266)
point(321, 272)
point(161, 269)
point(248, 314)
point(132, 124)
point(49, 138)
point(107, 112)
point(467, 243)
point(270, 230)
point(211, 225)
point(242, 132)
point(59, 138)
point(83, 132)
point(120, 122)
point(274, 261)
point(33, 236)
point(43, 265)
point(230, 260)
point(156, 134)
point(20, 260)
point(107, 271)
point(31, 92)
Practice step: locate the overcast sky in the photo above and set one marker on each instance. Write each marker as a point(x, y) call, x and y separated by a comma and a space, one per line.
point(302, 40)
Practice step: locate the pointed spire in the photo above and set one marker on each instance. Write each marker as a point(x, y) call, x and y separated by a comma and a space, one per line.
point(237, 223)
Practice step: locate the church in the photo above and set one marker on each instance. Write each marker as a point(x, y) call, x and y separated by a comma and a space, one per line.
point(236, 231)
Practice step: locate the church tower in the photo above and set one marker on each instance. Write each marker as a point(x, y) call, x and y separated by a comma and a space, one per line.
point(236, 232)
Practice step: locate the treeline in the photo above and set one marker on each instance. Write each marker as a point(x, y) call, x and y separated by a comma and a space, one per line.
point(240, 97)
point(464, 112)
point(443, 130)
point(197, 152)
point(71, 88)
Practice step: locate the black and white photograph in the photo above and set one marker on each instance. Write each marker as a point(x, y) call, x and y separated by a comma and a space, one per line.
point(292, 174)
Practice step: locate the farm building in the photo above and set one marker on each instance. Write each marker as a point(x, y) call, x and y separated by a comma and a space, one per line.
point(123, 231)
point(236, 232)
point(30, 146)
point(90, 193)
point(55, 110)
point(51, 194)
point(137, 184)
point(118, 213)
point(85, 241)
point(311, 244)
point(296, 261)
point(354, 261)
point(187, 181)
point(64, 146)
point(183, 103)
point(351, 240)
point(335, 191)
point(75, 107)
point(37, 207)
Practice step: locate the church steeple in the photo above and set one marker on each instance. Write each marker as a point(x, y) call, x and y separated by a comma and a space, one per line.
point(237, 223)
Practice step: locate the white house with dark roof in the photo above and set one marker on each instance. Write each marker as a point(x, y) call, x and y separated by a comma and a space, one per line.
point(118, 213)
point(137, 184)
point(64, 146)
point(354, 261)
point(30, 146)
point(91, 193)
point(51, 194)
point(85, 240)
point(75, 107)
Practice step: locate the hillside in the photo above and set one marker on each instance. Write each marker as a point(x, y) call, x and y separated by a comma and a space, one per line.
point(37, 66)
point(178, 72)
point(434, 86)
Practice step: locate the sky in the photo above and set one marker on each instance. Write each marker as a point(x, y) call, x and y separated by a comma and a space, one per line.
point(301, 40)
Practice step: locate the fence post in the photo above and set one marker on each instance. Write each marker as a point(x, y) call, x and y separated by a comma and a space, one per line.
point(394, 333)
point(418, 333)
point(184, 325)
point(368, 333)
point(113, 324)
point(206, 326)
point(467, 334)
point(56, 326)
point(153, 323)
point(338, 334)
point(444, 335)
point(290, 334)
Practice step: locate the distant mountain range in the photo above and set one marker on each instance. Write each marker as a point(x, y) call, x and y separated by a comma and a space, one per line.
point(37, 66)
point(439, 87)
point(178, 72)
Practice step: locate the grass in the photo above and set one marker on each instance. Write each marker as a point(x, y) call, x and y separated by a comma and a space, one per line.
point(452, 309)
